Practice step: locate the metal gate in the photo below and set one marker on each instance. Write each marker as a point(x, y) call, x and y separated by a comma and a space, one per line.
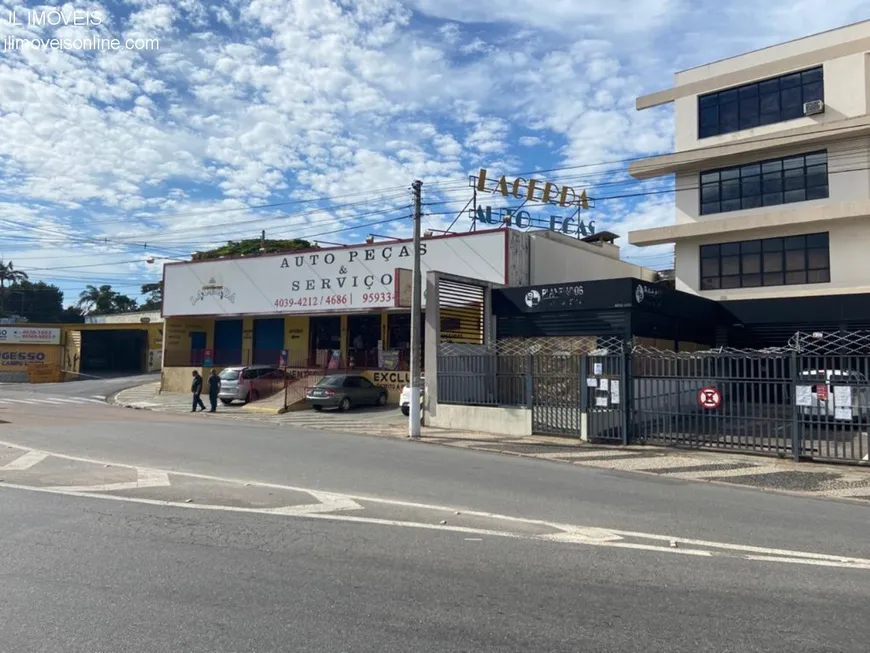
point(607, 395)
point(557, 395)
point(580, 396)
point(713, 399)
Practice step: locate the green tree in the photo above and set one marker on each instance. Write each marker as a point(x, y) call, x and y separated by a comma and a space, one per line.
point(154, 299)
point(105, 301)
point(10, 274)
point(37, 302)
point(251, 247)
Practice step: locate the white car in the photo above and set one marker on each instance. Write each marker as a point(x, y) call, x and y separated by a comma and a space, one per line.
point(405, 398)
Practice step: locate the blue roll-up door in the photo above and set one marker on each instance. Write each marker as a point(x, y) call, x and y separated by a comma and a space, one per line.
point(268, 340)
point(228, 342)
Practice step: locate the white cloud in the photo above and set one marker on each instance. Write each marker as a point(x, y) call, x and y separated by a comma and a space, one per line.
point(259, 101)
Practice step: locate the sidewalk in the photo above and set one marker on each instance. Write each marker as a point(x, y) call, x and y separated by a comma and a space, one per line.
point(758, 472)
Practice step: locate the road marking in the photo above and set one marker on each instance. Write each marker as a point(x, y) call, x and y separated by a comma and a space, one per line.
point(328, 503)
point(145, 478)
point(100, 397)
point(569, 534)
point(26, 461)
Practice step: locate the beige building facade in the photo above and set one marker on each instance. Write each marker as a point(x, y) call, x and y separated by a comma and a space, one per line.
point(772, 171)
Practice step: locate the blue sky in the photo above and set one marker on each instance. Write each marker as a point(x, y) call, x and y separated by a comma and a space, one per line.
point(110, 157)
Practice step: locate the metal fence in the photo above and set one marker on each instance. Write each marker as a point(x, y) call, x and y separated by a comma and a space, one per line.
point(807, 400)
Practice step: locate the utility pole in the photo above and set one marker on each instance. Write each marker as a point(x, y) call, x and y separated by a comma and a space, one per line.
point(416, 309)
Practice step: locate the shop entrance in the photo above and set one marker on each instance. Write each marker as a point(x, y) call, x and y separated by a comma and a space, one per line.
point(363, 333)
point(113, 351)
point(325, 345)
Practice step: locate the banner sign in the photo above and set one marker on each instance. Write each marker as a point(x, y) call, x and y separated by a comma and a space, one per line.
point(16, 335)
point(328, 280)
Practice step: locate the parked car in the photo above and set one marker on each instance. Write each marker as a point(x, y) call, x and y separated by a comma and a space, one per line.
point(241, 383)
point(345, 390)
point(405, 398)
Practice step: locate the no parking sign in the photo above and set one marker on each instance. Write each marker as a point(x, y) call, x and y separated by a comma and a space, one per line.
point(709, 398)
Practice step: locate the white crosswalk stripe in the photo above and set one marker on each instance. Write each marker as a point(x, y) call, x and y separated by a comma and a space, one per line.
point(50, 401)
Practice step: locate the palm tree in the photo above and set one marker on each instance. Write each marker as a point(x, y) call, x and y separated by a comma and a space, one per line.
point(10, 274)
point(97, 301)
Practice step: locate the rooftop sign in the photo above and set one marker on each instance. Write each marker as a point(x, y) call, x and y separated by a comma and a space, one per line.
point(532, 190)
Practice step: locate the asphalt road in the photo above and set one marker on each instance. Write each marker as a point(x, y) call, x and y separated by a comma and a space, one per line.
point(85, 387)
point(89, 576)
point(95, 575)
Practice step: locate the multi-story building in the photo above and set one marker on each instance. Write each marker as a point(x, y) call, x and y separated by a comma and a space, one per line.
point(772, 180)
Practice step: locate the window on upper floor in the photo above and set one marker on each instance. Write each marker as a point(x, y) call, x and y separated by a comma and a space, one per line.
point(760, 103)
point(782, 261)
point(765, 183)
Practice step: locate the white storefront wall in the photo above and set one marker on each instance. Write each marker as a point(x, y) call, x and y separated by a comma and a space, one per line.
point(331, 280)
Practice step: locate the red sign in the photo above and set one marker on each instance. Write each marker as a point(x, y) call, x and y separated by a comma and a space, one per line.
point(709, 398)
point(822, 392)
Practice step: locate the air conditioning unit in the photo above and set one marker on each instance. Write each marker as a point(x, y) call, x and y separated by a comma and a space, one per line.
point(814, 107)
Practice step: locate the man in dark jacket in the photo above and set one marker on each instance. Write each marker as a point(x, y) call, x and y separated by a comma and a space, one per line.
point(214, 386)
point(196, 389)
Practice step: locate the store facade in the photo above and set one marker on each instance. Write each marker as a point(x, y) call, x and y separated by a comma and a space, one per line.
point(348, 308)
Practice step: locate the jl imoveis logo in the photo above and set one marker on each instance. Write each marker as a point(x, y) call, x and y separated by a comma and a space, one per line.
point(213, 289)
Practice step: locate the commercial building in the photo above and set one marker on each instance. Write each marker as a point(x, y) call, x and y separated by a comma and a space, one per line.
point(111, 344)
point(349, 307)
point(772, 176)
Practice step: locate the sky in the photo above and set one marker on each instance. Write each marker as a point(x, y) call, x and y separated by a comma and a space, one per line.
point(211, 121)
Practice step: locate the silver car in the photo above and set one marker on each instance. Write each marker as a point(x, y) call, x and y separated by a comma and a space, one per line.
point(240, 383)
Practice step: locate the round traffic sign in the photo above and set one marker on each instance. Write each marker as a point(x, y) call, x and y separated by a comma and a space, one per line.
point(709, 398)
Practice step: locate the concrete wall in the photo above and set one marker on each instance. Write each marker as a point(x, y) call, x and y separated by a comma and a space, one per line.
point(501, 421)
point(848, 249)
point(554, 262)
point(177, 379)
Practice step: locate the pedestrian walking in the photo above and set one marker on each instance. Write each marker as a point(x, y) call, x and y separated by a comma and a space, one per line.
point(214, 387)
point(196, 389)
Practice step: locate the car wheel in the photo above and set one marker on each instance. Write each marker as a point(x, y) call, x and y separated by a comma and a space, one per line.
point(318, 408)
point(344, 404)
point(406, 410)
point(252, 395)
point(382, 399)
point(226, 402)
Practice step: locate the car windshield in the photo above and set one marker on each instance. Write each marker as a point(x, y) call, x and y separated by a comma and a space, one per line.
point(229, 374)
point(331, 381)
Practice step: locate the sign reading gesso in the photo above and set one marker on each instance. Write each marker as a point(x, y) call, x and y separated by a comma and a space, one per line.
point(350, 278)
point(14, 335)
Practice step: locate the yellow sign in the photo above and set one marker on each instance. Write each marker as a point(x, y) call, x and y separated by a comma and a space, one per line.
point(533, 190)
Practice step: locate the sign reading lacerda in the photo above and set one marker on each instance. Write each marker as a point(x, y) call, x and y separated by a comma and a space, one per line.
point(533, 190)
point(14, 335)
point(338, 279)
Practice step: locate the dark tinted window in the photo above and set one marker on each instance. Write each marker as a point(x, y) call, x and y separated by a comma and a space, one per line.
point(770, 262)
point(760, 103)
point(768, 183)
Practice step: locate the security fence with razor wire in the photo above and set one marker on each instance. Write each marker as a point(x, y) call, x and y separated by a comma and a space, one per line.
point(806, 400)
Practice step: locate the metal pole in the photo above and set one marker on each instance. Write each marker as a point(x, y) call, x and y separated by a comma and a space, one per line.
point(416, 309)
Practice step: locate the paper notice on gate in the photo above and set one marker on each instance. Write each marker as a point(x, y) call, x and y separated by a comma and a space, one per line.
point(597, 368)
point(804, 395)
point(603, 384)
point(614, 392)
point(842, 397)
point(601, 402)
point(591, 382)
